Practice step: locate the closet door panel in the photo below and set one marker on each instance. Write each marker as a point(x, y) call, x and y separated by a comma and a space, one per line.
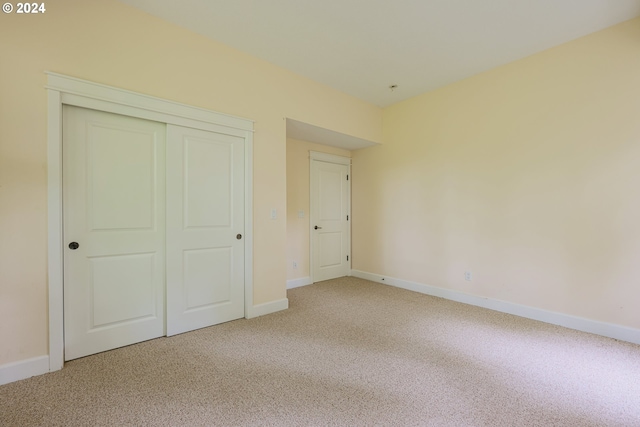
point(205, 227)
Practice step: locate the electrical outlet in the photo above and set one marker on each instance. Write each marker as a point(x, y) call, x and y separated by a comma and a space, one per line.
point(295, 265)
point(467, 276)
point(274, 213)
point(300, 213)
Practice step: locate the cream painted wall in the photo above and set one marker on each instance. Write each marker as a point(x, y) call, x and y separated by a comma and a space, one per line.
point(298, 188)
point(108, 42)
point(527, 175)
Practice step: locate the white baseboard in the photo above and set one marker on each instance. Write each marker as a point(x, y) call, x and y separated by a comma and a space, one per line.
point(268, 308)
point(610, 330)
point(23, 369)
point(296, 283)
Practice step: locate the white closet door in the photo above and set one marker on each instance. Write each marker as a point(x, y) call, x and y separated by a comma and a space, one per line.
point(114, 210)
point(205, 228)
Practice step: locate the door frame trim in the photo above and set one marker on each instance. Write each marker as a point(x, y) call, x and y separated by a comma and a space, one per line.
point(65, 90)
point(327, 158)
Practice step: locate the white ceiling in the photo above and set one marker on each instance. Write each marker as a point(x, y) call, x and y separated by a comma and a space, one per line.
point(360, 47)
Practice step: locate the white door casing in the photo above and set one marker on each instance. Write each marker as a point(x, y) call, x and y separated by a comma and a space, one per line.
point(69, 91)
point(114, 199)
point(329, 220)
point(205, 228)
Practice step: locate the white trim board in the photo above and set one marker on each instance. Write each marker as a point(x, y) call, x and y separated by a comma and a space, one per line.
point(267, 308)
point(618, 332)
point(126, 98)
point(302, 281)
point(23, 369)
point(81, 93)
point(330, 158)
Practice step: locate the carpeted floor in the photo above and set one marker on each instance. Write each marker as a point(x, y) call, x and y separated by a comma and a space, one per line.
point(348, 352)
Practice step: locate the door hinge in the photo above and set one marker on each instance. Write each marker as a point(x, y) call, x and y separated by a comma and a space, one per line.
point(347, 257)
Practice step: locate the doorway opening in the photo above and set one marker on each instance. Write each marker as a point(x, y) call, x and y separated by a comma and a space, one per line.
point(330, 147)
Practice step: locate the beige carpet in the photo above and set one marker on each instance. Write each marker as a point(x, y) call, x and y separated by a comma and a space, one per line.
point(348, 352)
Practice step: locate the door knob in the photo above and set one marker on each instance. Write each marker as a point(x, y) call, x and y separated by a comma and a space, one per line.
point(317, 228)
point(239, 236)
point(73, 246)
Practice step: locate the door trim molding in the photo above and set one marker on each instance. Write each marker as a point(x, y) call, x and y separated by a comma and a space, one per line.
point(81, 93)
point(327, 158)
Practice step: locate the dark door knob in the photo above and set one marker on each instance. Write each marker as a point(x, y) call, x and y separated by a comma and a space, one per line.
point(239, 236)
point(317, 228)
point(74, 245)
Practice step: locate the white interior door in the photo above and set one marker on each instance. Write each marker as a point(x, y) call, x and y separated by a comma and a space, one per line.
point(114, 210)
point(205, 228)
point(330, 236)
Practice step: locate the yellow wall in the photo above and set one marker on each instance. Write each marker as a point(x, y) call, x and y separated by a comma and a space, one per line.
point(298, 229)
point(108, 42)
point(527, 175)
